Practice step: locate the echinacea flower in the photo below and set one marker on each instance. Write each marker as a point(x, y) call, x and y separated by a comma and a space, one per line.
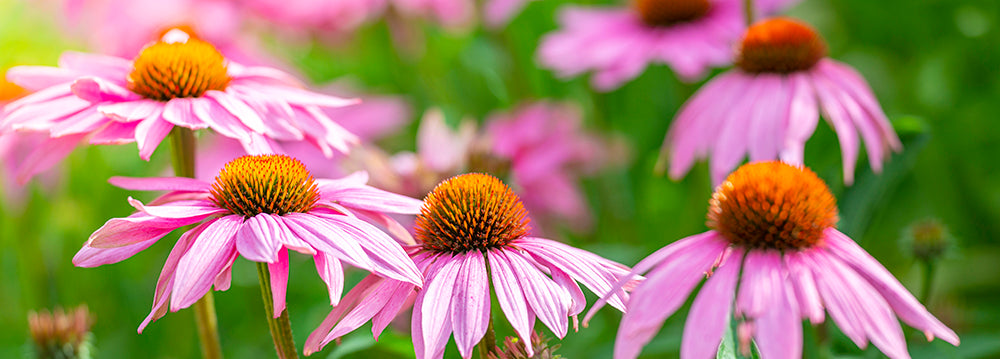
point(317, 15)
point(259, 207)
point(178, 81)
point(769, 105)
point(473, 231)
point(775, 257)
point(618, 43)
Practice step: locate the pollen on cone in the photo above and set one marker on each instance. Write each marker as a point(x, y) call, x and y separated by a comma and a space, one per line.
point(275, 184)
point(780, 45)
point(471, 211)
point(168, 70)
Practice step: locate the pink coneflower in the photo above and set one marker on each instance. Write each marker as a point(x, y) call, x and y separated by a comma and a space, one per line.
point(317, 15)
point(775, 224)
point(178, 81)
point(618, 43)
point(473, 231)
point(497, 13)
point(772, 104)
point(258, 207)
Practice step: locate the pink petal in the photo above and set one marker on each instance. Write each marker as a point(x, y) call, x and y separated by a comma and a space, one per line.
point(546, 299)
point(99, 65)
point(47, 155)
point(327, 238)
point(761, 281)
point(804, 285)
point(204, 261)
point(373, 199)
point(198, 209)
point(149, 134)
point(434, 303)
point(258, 241)
point(470, 304)
point(39, 78)
point(769, 119)
point(89, 257)
point(318, 338)
point(239, 109)
point(596, 273)
point(865, 124)
point(779, 330)
point(902, 302)
point(388, 258)
point(81, 123)
point(835, 114)
point(132, 110)
point(95, 89)
point(510, 296)
point(803, 115)
point(179, 111)
point(166, 280)
point(279, 281)
point(332, 273)
point(709, 316)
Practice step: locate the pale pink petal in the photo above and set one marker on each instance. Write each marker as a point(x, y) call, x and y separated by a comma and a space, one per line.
point(470, 304)
point(545, 298)
point(199, 209)
point(148, 135)
point(95, 89)
point(874, 145)
point(902, 302)
point(39, 78)
point(440, 148)
point(778, 331)
point(730, 145)
point(82, 122)
point(95, 64)
point(279, 281)
point(318, 338)
point(132, 110)
point(665, 289)
point(366, 309)
point(225, 279)
point(709, 316)
point(46, 155)
point(434, 303)
point(596, 273)
point(89, 257)
point(388, 258)
point(761, 280)
point(204, 261)
point(327, 238)
point(806, 294)
point(179, 112)
point(258, 241)
point(851, 80)
point(510, 296)
point(332, 273)
point(246, 114)
point(839, 119)
point(166, 280)
point(160, 184)
point(803, 115)
point(138, 227)
point(768, 119)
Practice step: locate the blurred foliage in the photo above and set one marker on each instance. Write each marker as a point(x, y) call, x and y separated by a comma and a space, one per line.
point(934, 64)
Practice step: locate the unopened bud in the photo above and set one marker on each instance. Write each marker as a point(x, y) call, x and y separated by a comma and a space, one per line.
point(61, 334)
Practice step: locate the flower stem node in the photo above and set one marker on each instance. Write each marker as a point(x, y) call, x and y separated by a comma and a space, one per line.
point(471, 212)
point(772, 205)
point(275, 184)
point(780, 45)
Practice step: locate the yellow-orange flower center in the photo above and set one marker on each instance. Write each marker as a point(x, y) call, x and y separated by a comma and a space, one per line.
point(780, 45)
point(772, 205)
point(470, 212)
point(669, 12)
point(275, 184)
point(9, 91)
point(169, 70)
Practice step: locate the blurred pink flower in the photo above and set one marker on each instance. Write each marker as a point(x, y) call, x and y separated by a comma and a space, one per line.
point(123, 27)
point(773, 248)
point(179, 81)
point(467, 223)
point(317, 15)
point(618, 43)
point(257, 207)
point(548, 151)
point(457, 14)
point(498, 13)
point(770, 104)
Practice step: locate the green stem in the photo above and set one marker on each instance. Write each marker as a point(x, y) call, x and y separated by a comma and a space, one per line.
point(928, 280)
point(748, 11)
point(281, 327)
point(183, 143)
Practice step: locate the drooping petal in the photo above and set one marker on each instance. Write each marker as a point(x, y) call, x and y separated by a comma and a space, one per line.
point(434, 304)
point(165, 283)
point(761, 281)
point(778, 331)
point(46, 155)
point(332, 273)
point(902, 302)
point(148, 135)
point(138, 227)
point(181, 210)
point(804, 286)
point(89, 257)
point(470, 305)
point(257, 240)
point(841, 122)
point(388, 258)
point(160, 184)
point(319, 337)
point(596, 273)
point(510, 296)
point(803, 115)
point(546, 299)
point(203, 262)
point(279, 281)
point(709, 316)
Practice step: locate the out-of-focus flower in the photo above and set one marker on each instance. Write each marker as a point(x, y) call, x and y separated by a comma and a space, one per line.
point(178, 81)
point(123, 27)
point(456, 14)
point(61, 334)
point(259, 207)
point(498, 13)
point(515, 348)
point(618, 43)
point(927, 240)
point(317, 15)
point(773, 248)
point(770, 104)
point(470, 223)
point(14, 147)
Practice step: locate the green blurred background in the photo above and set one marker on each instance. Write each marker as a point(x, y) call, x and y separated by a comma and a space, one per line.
point(934, 64)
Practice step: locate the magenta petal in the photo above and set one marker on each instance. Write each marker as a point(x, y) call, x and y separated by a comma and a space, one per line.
point(434, 302)
point(96, 64)
point(318, 338)
point(225, 279)
point(239, 109)
point(279, 281)
point(204, 261)
point(709, 316)
point(46, 155)
point(39, 78)
point(902, 302)
point(366, 309)
point(470, 304)
point(95, 89)
point(510, 296)
point(160, 184)
point(164, 284)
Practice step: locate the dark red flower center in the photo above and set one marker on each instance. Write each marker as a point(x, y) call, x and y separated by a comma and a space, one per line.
point(471, 212)
point(780, 45)
point(772, 205)
point(669, 12)
point(275, 184)
point(169, 70)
